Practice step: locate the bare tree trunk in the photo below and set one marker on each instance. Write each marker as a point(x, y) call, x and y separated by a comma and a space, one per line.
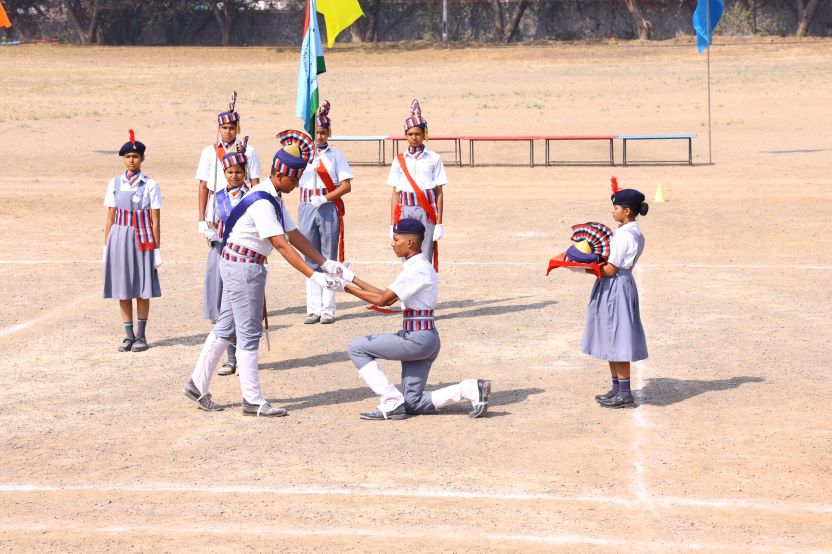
point(77, 11)
point(497, 13)
point(225, 18)
point(515, 21)
point(640, 25)
point(804, 16)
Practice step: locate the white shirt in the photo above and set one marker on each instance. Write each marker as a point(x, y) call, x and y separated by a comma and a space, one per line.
point(335, 164)
point(254, 227)
point(428, 172)
point(210, 166)
point(151, 194)
point(626, 246)
point(417, 286)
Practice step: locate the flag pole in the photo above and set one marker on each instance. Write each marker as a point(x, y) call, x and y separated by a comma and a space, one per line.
point(710, 41)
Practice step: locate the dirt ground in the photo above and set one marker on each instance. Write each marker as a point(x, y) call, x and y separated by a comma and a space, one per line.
point(729, 449)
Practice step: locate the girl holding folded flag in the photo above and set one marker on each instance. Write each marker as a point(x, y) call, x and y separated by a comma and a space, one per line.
point(613, 329)
point(418, 178)
point(327, 179)
point(132, 238)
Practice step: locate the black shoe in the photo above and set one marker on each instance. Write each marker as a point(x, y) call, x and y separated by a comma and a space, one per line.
point(139, 345)
point(606, 396)
point(126, 344)
point(481, 406)
point(204, 401)
point(619, 401)
point(379, 415)
point(263, 410)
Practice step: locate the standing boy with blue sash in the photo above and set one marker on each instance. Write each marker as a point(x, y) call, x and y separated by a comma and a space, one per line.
point(258, 224)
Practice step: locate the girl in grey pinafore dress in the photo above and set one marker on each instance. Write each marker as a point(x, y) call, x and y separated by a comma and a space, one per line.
point(235, 170)
point(131, 253)
point(613, 330)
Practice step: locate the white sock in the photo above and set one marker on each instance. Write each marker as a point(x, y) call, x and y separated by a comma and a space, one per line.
point(313, 297)
point(391, 398)
point(207, 362)
point(464, 390)
point(247, 369)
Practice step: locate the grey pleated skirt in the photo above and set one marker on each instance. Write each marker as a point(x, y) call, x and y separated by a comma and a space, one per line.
point(613, 328)
point(128, 272)
point(212, 289)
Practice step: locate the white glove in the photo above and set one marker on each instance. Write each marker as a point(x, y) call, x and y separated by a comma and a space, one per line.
point(438, 231)
point(325, 281)
point(104, 254)
point(318, 200)
point(157, 258)
point(342, 285)
point(207, 232)
point(391, 232)
point(339, 270)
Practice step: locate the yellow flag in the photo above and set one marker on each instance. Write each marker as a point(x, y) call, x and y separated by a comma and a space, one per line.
point(338, 15)
point(4, 19)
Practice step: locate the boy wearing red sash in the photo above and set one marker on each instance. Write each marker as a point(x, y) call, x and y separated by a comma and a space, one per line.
point(418, 178)
point(327, 178)
point(209, 172)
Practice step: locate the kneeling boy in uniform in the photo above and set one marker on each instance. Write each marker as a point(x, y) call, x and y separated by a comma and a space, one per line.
point(416, 345)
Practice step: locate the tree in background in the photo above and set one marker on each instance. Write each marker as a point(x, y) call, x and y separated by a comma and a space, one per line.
point(641, 26)
point(506, 21)
point(805, 11)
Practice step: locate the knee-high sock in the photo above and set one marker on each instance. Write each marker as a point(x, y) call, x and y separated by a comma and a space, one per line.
point(465, 390)
point(247, 369)
point(390, 397)
point(207, 362)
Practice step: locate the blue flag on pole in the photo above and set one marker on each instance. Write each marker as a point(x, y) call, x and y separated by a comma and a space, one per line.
point(704, 28)
point(311, 65)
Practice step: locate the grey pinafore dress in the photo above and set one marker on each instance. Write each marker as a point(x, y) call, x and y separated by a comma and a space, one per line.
point(613, 330)
point(129, 272)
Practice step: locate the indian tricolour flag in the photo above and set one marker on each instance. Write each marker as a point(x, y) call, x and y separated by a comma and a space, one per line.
point(311, 65)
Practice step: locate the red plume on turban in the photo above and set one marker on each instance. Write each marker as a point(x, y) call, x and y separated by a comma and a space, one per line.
point(614, 184)
point(132, 137)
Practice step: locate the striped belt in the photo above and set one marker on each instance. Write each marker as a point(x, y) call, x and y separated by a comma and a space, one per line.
point(418, 320)
point(141, 221)
point(409, 198)
point(307, 194)
point(241, 254)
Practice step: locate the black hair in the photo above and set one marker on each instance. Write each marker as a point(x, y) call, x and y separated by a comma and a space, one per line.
point(637, 209)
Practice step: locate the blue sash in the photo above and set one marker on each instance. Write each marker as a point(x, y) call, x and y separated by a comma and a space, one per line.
point(249, 199)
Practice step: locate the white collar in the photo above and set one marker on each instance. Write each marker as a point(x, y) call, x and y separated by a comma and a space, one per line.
point(412, 260)
point(629, 225)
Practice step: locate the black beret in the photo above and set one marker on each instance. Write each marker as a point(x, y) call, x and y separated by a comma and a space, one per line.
point(409, 226)
point(627, 197)
point(128, 147)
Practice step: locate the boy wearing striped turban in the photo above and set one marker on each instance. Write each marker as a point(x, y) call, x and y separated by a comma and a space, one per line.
point(256, 226)
point(418, 178)
point(327, 179)
point(209, 172)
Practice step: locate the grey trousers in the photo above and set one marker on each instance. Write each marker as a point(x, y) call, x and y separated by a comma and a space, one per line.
point(416, 212)
point(416, 350)
point(241, 309)
point(321, 227)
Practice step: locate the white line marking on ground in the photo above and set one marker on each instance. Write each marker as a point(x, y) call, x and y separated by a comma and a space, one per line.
point(667, 267)
point(11, 329)
point(640, 425)
point(261, 531)
point(372, 492)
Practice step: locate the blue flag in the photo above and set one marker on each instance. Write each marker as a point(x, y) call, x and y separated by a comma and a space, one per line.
point(311, 65)
point(704, 29)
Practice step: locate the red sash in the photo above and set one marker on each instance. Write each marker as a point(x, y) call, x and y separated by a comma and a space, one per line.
point(423, 203)
point(339, 205)
point(217, 150)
